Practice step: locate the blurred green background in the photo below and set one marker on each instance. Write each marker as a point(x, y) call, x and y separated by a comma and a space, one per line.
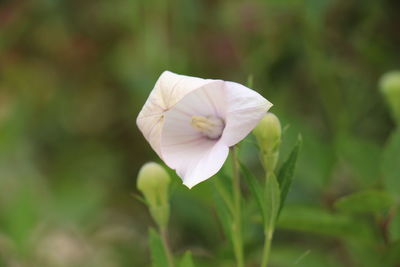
point(74, 75)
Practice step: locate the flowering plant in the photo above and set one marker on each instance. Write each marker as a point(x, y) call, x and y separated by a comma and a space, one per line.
point(192, 123)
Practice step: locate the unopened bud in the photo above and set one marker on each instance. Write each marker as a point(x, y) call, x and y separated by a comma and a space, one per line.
point(268, 134)
point(153, 181)
point(390, 86)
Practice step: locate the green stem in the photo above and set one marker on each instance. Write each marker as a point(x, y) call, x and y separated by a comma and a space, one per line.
point(269, 228)
point(267, 246)
point(237, 217)
point(164, 239)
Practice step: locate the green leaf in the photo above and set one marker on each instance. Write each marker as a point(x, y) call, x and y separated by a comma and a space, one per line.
point(391, 164)
point(187, 260)
point(158, 254)
point(224, 193)
point(255, 188)
point(365, 202)
point(223, 212)
point(140, 198)
point(223, 200)
point(286, 172)
point(318, 221)
point(272, 201)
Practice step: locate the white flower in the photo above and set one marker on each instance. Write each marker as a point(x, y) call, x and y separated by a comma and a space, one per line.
point(191, 122)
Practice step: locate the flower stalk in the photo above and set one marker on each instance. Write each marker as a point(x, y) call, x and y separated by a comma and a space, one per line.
point(237, 238)
point(167, 249)
point(268, 134)
point(268, 234)
point(269, 225)
point(153, 181)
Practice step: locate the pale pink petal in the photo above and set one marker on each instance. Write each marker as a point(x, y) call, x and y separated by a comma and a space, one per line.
point(169, 89)
point(198, 160)
point(194, 156)
point(245, 108)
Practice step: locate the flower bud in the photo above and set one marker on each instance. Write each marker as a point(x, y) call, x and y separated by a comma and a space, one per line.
point(268, 134)
point(153, 181)
point(390, 86)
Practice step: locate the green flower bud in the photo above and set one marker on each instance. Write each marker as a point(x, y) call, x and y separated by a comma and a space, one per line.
point(268, 134)
point(390, 86)
point(153, 181)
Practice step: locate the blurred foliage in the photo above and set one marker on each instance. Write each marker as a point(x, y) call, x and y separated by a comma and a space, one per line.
point(74, 74)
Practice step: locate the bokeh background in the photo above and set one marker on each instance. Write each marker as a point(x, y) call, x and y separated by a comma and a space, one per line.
point(74, 75)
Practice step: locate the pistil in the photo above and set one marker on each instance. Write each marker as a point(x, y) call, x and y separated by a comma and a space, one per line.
point(211, 126)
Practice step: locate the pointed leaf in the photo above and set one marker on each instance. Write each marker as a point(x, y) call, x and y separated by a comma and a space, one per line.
point(255, 188)
point(158, 254)
point(139, 197)
point(225, 216)
point(286, 172)
point(224, 193)
point(272, 201)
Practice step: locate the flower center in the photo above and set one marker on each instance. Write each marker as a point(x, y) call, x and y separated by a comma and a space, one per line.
point(210, 126)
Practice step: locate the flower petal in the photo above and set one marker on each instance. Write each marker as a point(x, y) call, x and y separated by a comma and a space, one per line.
point(169, 89)
point(167, 116)
point(194, 156)
point(197, 161)
point(245, 108)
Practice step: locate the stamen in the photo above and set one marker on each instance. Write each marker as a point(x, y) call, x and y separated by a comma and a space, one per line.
point(210, 126)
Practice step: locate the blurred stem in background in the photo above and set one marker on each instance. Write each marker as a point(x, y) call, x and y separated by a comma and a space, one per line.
point(236, 226)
